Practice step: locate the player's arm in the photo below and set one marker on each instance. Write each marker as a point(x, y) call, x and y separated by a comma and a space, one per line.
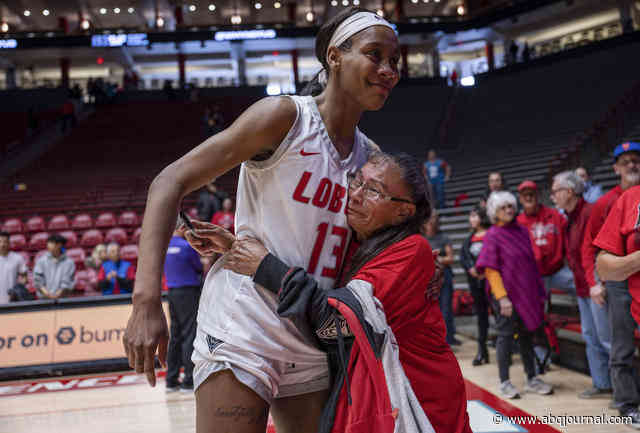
point(617, 268)
point(259, 129)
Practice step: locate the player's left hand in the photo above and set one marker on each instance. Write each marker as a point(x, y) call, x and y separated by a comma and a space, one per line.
point(245, 256)
point(436, 282)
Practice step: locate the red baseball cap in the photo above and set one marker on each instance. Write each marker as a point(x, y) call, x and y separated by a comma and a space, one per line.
point(527, 184)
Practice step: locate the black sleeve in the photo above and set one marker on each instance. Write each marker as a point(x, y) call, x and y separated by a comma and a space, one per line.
point(466, 259)
point(299, 297)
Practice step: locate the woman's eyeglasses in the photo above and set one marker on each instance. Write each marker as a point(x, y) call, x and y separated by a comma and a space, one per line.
point(370, 192)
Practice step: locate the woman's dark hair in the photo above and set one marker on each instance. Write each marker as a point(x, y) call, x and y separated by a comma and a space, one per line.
point(411, 172)
point(482, 213)
point(323, 38)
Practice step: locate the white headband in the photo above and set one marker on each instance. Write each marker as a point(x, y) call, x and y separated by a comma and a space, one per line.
point(349, 27)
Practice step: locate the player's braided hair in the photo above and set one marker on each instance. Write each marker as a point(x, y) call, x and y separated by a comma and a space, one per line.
point(323, 38)
point(387, 236)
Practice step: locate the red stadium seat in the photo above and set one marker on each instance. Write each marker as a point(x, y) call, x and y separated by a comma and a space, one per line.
point(17, 242)
point(27, 258)
point(70, 236)
point(128, 219)
point(38, 241)
point(81, 281)
point(117, 235)
point(86, 280)
point(129, 253)
point(82, 221)
point(12, 226)
point(91, 238)
point(105, 220)
point(136, 235)
point(78, 256)
point(35, 224)
point(58, 222)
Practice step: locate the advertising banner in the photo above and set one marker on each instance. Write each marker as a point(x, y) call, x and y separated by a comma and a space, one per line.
point(63, 335)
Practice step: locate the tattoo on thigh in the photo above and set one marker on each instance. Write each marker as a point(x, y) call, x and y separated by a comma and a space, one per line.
point(241, 414)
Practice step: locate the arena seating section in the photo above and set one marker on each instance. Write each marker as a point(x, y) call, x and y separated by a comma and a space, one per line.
point(92, 187)
point(520, 121)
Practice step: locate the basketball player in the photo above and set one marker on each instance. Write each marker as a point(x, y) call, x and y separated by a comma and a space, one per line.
point(296, 153)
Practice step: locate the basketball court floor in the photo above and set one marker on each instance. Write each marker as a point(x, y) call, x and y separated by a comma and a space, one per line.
point(123, 403)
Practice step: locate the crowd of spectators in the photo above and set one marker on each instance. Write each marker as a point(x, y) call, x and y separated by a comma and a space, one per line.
point(60, 271)
point(522, 255)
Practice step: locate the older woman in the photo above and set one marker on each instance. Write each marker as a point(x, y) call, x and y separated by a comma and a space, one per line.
point(381, 314)
point(517, 292)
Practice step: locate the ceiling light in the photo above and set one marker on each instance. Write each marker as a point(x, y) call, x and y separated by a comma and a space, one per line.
point(334, 2)
point(192, 8)
point(258, 5)
point(236, 19)
point(277, 5)
point(116, 10)
point(345, 2)
point(356, 2)
point(380, 12)
point(212, 7)
point(85, 24)
point(45, 12)
point(461, 10)
point(103, 11)
point(131, 10)
point(159, 22)
point(414, 1)
point(4, 27)
point(309, 16)
point(27, 13)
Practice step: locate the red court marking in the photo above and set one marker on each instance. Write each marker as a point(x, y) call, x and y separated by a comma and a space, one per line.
point(75, 383)
point(474, 392)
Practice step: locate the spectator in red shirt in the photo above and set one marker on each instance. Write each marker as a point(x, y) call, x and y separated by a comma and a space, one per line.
point(619, 260)
point(626, 392)
point(225, 218)
point(566, 193)
point(547, 229)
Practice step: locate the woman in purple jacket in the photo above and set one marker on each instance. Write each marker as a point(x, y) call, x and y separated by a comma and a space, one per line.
point(517, 293)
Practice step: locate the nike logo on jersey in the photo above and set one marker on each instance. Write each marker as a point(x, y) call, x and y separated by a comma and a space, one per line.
point(303, 153)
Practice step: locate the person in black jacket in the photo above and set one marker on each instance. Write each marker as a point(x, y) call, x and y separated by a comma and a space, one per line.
point(468, 255)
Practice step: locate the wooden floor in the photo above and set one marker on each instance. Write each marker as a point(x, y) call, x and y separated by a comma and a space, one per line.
point(132, 406)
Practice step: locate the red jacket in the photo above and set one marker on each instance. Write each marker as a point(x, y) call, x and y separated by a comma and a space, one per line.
point(599, 211)
point(360, 400)
point(547, 230)
point(576, 229)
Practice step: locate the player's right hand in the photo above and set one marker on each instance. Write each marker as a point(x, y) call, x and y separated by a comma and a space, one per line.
point(208, 239)
point(146, 333)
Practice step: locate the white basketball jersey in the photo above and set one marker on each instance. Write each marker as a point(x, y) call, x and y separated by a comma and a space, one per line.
point(295, 204)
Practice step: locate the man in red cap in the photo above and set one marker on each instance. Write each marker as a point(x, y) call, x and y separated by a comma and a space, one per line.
point(619, 236)
point(547, 228)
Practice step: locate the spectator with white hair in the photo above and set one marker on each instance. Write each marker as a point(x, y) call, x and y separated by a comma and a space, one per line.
point(517, 291)
point(116, 276)
point(566, 193)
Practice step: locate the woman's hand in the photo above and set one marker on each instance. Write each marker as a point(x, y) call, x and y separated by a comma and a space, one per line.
point(208, 239)
point(245, 256)
point(437, 280)
point(473, 272)
point(506, 307)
